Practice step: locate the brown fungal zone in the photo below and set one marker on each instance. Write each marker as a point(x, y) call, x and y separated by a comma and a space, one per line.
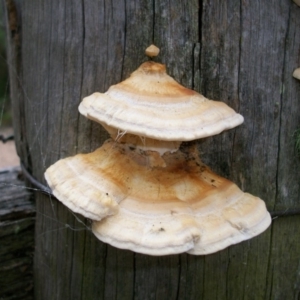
point(143, 189)
point(160, 86)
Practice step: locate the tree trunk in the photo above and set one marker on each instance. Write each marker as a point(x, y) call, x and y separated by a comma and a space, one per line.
point(239, 52)
point(17, 237)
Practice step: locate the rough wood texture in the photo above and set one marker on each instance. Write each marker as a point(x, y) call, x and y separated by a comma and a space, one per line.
point(241, 52)
point(17, 218)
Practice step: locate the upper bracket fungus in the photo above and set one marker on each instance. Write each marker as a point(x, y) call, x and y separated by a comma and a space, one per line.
point(144, 189)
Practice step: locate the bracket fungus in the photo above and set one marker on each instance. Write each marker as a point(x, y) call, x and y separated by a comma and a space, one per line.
point(146, 189)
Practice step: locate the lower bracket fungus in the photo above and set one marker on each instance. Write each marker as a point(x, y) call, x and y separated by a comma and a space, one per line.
point(144, 189)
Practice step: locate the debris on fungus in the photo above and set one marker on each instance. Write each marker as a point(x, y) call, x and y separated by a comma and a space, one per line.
point(145, 190)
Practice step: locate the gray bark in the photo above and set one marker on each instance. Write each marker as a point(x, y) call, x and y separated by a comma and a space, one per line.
point(17, 219)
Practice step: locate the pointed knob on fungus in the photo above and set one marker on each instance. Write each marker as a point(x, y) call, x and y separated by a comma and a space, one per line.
point(152, 51)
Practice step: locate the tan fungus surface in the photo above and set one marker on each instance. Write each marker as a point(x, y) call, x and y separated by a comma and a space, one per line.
point(152, 104)
point(180, 207)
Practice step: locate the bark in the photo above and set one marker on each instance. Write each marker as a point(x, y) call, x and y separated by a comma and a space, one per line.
point(17, 219)
point(240, 52)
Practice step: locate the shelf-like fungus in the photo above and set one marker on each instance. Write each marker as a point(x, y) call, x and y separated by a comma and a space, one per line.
point(144, 189)
point(152, 104)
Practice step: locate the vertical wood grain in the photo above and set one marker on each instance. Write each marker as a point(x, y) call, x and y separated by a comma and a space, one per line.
point(239, 52)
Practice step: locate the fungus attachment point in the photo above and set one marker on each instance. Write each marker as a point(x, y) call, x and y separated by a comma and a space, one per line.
point(144, 189)
point(296, 73)
point(152, 51)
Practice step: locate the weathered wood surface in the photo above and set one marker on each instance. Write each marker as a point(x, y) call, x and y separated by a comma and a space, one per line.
point(17, 219)
point(241, 52)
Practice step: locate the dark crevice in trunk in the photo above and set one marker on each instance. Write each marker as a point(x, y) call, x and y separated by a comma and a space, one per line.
point(13, 23)
point(200, 12)
point(280, 108)
point(134, 275)
point(179, 276)
point(125, 31)
point(153, 22)
point(14, 30)
point(269, 277)
point(238, 88)
point(82, 68)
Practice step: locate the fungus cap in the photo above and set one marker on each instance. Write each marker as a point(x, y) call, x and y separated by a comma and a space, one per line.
point(152, 104)
point(182, 206)
point(75, 183)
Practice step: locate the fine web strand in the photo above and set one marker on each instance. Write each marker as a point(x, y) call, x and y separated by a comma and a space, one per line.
point(143, 139)
point(39, 126)
point(120, 134)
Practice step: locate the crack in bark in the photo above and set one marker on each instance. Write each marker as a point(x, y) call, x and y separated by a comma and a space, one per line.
point(125, 31)
point(280, 110)
point(153, 22)
point(179, 277)
point(269, 271)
